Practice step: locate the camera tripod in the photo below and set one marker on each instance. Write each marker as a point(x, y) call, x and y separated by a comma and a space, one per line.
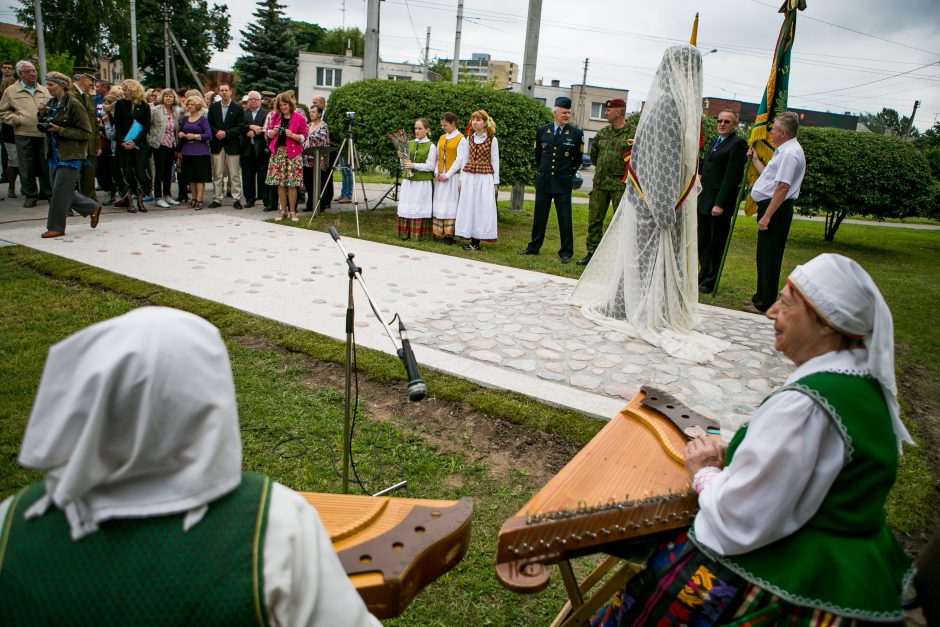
point(352, 162)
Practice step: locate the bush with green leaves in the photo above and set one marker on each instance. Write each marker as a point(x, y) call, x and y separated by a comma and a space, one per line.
point(383, 107)
point(863, 174)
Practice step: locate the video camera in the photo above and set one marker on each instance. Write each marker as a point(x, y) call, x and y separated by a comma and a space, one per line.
point(351, 119)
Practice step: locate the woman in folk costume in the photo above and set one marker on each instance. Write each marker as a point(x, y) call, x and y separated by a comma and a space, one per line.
point(414, 199)
point(144, 516)
point(476, 209)
point(791, 527)
point(642, 279)
point(452, 154)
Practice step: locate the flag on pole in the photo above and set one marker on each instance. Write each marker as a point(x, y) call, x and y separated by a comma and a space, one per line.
point(774, 100)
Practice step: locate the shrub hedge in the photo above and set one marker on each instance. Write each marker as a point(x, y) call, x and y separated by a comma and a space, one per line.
point(383, 107)
point(864, 174)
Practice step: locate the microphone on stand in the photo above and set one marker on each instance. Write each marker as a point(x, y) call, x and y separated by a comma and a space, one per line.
point(417, 390)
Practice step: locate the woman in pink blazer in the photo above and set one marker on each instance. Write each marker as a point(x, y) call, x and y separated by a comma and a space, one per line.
point(287, 130)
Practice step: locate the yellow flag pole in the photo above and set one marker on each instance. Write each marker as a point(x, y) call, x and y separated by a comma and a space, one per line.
point(694, 39)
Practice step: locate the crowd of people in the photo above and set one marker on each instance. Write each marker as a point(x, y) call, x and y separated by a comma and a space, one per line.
point(134, 142)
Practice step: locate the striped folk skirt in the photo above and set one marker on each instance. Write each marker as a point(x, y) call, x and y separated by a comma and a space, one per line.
point(413, 228)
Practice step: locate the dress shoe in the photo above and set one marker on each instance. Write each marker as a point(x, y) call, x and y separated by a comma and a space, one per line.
point(249, 204)
point(585, 260)
point(95, 216)
point(237, 204)
point(527, 251)
point(750, 307)
point(30, 203)
point(215, 204)
point(123, 201)
point(140, 205)
point(565, 259)
point(49, 234)
point(267, 208)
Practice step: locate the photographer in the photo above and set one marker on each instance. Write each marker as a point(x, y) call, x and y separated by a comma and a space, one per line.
point(65, 123)
point(285, 170)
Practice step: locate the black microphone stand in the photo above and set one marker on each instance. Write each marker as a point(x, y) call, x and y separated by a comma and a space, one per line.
point(416, 387)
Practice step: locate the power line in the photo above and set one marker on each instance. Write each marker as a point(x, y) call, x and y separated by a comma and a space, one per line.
point(816, 19)
point(869, 82)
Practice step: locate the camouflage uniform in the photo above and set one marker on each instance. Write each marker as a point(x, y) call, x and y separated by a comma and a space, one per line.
point(607, 156)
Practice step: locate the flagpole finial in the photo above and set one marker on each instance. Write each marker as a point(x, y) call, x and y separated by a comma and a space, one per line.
point(792, 5)
point(694, 39)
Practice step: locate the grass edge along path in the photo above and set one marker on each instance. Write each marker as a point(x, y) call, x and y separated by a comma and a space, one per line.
point(909, 507)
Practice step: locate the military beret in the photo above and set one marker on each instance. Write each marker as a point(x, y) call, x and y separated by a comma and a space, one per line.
point(563, 102)
point(615, 103)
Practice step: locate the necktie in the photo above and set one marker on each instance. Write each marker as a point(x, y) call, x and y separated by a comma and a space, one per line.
point(717, 143)
point(557, 131)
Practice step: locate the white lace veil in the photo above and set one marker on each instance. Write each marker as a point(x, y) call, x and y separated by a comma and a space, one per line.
point(643, 278)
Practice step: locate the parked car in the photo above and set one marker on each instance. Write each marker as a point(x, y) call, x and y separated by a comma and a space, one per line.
point(585, 160)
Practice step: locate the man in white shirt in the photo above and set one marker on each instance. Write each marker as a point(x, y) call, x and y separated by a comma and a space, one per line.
point(774, 192)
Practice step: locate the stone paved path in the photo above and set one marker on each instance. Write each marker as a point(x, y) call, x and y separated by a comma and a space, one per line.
point(496, 326)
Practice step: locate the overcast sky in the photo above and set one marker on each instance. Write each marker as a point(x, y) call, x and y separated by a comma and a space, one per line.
point(854, 56)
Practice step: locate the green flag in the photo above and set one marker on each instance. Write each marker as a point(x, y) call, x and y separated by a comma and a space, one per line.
point(774, 100)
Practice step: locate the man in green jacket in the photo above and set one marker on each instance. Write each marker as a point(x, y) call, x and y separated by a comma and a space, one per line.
point(607, 154)
point(82, 83)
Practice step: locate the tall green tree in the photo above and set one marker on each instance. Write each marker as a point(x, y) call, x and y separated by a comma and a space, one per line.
point(270, 59)
point(307, 36)
point(885, 120)
point(336, 40)
point(12, 49)
point(89, 29)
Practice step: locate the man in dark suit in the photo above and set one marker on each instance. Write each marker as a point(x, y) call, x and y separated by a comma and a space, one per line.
point(721, 170)
point(227, 121)
point(558, 149)
point(255, 153)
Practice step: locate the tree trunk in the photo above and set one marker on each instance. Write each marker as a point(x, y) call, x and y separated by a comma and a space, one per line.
point(833, 219)
point(518, 195)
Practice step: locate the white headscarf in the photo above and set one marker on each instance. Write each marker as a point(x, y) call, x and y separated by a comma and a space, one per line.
point(135, 417)
point(843, 294)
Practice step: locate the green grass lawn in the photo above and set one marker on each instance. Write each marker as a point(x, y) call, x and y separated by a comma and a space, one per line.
point(291, 425)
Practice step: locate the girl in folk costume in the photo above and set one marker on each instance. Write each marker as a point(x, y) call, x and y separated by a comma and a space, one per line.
point(452, 154)
point(476, 209)
point(414, 200)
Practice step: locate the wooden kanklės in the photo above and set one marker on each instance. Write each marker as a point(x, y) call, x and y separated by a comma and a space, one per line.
point(629, 481)
point(391, 548)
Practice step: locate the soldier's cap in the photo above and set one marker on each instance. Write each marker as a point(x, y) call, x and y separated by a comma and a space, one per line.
point(563, 102)
point(245, 98)
point(268, 94)
point(79, 72)
point(614, 103)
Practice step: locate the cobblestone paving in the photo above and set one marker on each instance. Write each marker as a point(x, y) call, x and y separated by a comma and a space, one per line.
point(530, 328)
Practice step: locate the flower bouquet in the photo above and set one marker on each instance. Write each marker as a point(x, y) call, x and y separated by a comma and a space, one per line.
point(400, 141)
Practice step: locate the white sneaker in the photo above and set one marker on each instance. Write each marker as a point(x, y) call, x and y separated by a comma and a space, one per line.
point(171, 200)
point(163, 203)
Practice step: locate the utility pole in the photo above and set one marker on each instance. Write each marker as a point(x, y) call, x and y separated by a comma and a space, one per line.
point(528, 79)
point(455, 64)
point(134, 39)
point(189, 65)
point(427, 50)
point(579, 118)
point(166, 45)
point(40, 41)
point(910, 122)
point(370, 64)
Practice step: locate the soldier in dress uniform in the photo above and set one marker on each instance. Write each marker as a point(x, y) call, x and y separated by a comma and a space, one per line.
point(558, 149)
point(608, 151)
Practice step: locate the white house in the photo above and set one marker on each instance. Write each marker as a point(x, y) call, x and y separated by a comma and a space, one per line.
point(319, 74)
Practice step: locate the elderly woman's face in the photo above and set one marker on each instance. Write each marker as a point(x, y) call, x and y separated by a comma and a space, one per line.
point(797, 332)
point(55, 90)
point(168, 100)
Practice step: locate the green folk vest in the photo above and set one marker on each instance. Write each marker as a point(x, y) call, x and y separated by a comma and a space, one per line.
point(844, 559)
point(141, 571)
point(418, 153)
